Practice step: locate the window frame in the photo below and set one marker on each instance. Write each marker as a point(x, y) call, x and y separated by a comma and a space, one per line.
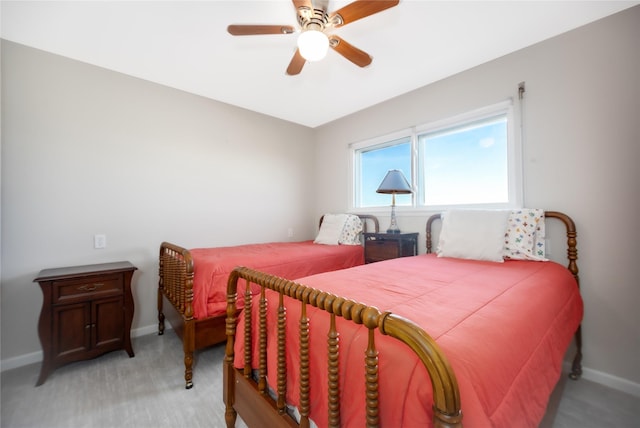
point(514, 159)
point(381, 142)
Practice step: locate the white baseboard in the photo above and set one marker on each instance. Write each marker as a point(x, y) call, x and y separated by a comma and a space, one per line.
point(21, 360)
point(613, 382)
point(150, 329)
point(36, 357)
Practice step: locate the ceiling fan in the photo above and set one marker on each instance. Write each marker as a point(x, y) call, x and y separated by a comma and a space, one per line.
point(314, 21)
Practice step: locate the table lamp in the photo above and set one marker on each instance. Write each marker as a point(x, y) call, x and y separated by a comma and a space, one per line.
point(394, 182)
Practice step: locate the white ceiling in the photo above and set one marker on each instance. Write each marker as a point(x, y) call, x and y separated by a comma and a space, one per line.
point(185, 45)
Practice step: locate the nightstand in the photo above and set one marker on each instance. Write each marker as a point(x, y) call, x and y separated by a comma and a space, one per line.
point(385, 246)
point(86, 312)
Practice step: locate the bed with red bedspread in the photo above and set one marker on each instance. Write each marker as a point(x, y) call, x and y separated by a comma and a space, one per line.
point(492, 337)
point(212, 267)
point(194, 281)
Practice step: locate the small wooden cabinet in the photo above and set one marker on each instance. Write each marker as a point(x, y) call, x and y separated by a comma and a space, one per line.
point(86, 312)
point(385, 246)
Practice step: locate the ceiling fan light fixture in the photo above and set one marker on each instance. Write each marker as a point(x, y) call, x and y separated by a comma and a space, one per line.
point(313, 45)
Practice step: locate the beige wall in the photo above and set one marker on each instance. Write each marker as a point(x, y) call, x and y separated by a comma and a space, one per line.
point(87, 151)
point(581, 149)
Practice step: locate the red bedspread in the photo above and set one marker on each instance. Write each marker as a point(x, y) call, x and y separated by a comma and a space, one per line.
point(290, 260)
point(504, 327)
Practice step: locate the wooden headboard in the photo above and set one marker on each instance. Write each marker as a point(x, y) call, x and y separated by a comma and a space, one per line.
point(572, 250)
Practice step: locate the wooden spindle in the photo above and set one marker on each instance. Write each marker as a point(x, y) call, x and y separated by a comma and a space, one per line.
point(262, 343)
point(334, 374)
point(371, 381)
point(304, 367)
point(282, 358)
point(247, 330)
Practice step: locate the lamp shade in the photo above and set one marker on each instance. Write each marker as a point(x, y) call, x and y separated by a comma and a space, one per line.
point(394, 182)
point(313, 45)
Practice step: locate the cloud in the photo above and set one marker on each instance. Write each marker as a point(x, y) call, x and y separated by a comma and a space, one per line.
point(485, 143)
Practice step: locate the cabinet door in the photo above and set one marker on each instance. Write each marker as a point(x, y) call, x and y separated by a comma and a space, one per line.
point(381, 249)
point(108, 327)
point(71, 332)
point(407, 248)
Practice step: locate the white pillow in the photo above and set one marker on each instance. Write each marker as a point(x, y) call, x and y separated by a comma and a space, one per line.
point(331, 229)
point(351, 231)
point(524, 238)
point(473, 234)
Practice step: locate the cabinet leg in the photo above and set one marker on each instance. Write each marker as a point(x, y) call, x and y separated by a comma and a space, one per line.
point(129, 350)
point(44, 374)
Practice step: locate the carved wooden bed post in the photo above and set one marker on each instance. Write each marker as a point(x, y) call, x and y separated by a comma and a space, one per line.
point(429, 236)
point(176, 285)
point(227, 369)
point(572, 255)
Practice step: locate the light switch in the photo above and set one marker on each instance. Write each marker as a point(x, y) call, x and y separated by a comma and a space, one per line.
point(99, 241)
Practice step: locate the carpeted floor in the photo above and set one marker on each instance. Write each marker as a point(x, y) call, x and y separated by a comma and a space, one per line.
point(148, 391)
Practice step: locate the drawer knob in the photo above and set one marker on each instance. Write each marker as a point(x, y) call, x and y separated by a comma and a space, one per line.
point(90, 287)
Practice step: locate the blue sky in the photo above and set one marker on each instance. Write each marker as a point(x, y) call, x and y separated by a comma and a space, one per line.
point(463, 165)
point(376, 163)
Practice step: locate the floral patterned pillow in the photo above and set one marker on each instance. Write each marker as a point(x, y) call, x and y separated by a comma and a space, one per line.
point(524, 238)
point(351, 231)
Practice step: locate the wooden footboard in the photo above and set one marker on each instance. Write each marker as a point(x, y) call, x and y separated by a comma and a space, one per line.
point(250, 398)
point(176, 287)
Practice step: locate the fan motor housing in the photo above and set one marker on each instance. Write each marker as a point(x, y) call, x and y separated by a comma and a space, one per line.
point(313, 19)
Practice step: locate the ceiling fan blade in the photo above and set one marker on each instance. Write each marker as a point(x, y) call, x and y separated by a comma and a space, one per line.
point(296, 64)
point(251, 30)
point(302, 3)
point(350, 52)
point(359, 9)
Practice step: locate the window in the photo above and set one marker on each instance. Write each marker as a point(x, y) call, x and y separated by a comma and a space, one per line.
point(471, 160)
point(372, 164)
point(465, 165)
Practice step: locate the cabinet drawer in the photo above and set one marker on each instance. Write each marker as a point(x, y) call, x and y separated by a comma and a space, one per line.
point(90, 287)
point(381, 250)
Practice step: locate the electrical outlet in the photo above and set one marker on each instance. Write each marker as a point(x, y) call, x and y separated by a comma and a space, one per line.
point(290, 232)
point(99, 241)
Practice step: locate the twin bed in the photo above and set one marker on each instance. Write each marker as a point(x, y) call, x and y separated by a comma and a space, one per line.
point(439, 340)
point(194, 281)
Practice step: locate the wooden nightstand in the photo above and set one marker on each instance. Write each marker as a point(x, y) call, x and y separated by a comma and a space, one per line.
point(385, 246)
point(86, 312)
